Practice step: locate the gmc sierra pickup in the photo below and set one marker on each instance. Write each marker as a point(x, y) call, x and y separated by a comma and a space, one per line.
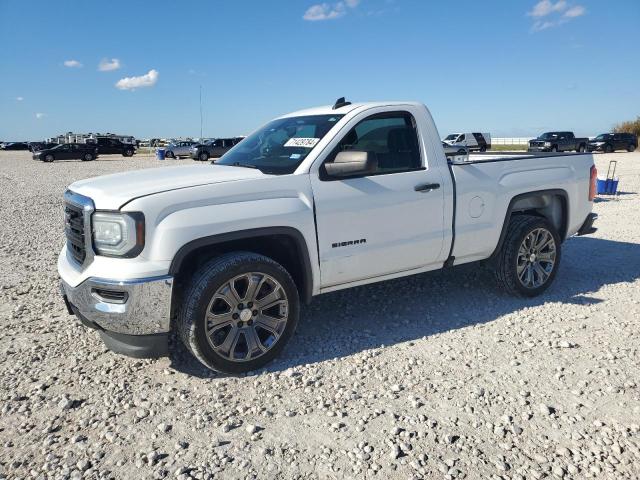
point(315, 201)
point(558, 142)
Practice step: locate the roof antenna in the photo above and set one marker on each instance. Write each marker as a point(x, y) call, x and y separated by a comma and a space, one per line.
point(341, 102)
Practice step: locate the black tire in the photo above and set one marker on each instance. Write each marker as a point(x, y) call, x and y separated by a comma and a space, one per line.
point(506, 261)
point(581, 148)
point(608, 148)
point(554, 149)
point(48, 158)
point(631, 147)
point(483, 149)
point(127, 153)
point(87, 157)
point(170, 154)
point(205, 283)
point(203, 156)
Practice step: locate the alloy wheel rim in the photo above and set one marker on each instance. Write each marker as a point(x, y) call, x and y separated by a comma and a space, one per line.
point(536, 258)
point(246, 316)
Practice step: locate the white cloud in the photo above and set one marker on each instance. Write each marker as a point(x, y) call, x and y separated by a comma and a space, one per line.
point(107, 65)
point(131, 83)
point(72, 63)
point(548, 14)
point(19, 99)
point(546, 7)
point(40, 115)
point(574, 12)
point(329, 11)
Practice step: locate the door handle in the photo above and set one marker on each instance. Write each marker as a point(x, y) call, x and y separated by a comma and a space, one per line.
point(426, 187)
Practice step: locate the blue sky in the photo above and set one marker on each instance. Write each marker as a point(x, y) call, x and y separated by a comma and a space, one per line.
point(513, 68)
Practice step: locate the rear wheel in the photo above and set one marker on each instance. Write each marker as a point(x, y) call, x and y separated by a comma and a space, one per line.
point(128, 153)
point(87, 157)
point(239, 312)
point(631, 147)
point(581, 149)
point(203, 157)
point(48, 158)
point(530, 256)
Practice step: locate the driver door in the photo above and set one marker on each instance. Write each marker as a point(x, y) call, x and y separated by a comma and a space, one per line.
point(385, 222)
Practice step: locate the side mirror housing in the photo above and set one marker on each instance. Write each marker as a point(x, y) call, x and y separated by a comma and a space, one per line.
point(351, 162)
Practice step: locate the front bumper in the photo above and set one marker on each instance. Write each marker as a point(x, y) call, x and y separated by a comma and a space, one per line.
point(133, 316)
point(539, 149)
point(594, 148)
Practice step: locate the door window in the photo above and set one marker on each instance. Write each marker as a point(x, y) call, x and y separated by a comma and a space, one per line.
point(391, 137)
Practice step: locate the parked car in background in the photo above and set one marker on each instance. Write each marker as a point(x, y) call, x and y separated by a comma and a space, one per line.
point(610, 142)
point(14, 146)
point(558, 142)
point(68, 151)
point(454, 149)
point(213, 149)
point(473, 141)
point(108, 145)
point(179, 149)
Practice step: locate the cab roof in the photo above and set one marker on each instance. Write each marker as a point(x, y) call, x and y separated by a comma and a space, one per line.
point(329, 109)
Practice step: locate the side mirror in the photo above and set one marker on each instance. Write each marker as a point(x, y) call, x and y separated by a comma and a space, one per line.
point(351, 162)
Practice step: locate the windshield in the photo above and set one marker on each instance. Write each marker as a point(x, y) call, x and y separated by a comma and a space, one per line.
point(604, 136)
point(281, 145)
point(548, 136)
point(453, 136)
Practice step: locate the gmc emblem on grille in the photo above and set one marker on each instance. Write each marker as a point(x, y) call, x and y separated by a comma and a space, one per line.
point(348, 243)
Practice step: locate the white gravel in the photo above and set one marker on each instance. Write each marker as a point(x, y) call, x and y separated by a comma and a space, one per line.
point(434, 376)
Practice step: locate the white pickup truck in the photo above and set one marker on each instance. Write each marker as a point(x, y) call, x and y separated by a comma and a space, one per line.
point(315, 201)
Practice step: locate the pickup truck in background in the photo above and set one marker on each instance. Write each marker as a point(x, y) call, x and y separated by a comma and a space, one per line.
point(107, 146)
point(558, 142)
point(315, 201)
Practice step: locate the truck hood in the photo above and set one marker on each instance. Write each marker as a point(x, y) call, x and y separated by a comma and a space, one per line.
point(111, 192)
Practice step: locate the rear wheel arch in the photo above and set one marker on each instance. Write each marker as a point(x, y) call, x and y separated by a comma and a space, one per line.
point(285, 245)
point(551, 204)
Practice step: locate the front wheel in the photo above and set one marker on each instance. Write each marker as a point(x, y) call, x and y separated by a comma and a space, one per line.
point(48, 158)
point(127, 153)
point(203, 157)
point(631, 147)
point(87, 157)
point(608, 149)
point(530, 256)
point(239, 312)
point(170, 154)
point(554, 149)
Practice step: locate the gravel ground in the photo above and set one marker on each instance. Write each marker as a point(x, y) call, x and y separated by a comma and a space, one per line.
point(434, 376)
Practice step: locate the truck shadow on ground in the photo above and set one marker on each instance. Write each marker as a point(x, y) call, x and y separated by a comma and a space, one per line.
point(343, 323)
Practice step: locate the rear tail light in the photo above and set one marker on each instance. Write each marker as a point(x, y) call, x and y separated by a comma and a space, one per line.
point(592, 183)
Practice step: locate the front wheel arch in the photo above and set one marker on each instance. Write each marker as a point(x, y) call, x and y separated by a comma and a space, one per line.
point(285, 245)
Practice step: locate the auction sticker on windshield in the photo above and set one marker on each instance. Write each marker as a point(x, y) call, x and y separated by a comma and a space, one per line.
point(302, 142)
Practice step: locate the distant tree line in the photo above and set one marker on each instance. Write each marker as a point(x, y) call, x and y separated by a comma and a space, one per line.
point(631, 126)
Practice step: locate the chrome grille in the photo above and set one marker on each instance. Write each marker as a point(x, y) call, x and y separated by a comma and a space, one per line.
point(74, 230)
point(77, 217)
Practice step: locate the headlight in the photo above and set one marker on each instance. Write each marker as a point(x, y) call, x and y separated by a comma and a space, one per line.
point(118, 234)
point(547, 144)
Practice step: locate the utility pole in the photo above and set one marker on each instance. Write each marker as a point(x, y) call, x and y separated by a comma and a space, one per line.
point(200, 112)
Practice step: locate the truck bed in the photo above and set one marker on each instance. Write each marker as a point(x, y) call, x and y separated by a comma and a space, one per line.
point(485, 185)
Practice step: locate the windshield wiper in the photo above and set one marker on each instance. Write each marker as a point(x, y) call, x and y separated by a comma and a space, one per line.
point(245, 165)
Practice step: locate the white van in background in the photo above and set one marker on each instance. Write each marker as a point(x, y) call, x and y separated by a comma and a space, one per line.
point(473, 141)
